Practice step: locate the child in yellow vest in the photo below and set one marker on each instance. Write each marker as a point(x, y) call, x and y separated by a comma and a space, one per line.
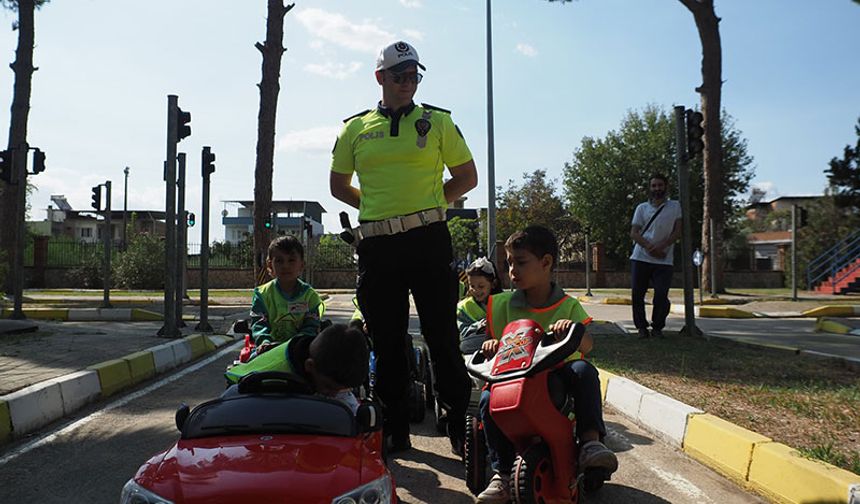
point(286, 306)
point(472, 310)
point(531, 256)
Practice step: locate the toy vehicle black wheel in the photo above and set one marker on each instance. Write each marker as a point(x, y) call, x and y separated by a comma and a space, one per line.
point(593, 480)
point(416, 402)
point(420, 365)
point(429, 394)
point(475, 456)
point(532, 475)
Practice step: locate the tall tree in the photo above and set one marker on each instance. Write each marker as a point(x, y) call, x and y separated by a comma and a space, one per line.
point(272, 50)
point(608, 176)
point(23, 69)
point(844, 175)
point(536, 202)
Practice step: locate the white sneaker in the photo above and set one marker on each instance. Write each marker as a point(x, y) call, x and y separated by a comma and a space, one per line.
point(595, 454)
point(498, 491)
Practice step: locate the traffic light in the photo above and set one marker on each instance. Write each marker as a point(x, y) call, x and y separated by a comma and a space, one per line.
point(695, 131)
point(183, 129)
point(191, 219)
point(802, 216)
point(38, 161)
point(208, 161)
point(6, 166)
point(97, 197)
point(267, 222)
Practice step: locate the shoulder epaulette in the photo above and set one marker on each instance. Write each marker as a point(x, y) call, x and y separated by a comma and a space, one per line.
point(356, 115)
point(434, 107)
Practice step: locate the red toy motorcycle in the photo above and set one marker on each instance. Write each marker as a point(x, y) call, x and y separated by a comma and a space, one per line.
point(531, 405)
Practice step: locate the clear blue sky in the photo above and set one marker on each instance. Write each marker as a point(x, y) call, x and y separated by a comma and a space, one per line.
point(562, 72)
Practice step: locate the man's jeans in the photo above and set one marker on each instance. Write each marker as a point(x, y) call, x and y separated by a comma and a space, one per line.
point(660, 277)
point(583, 384)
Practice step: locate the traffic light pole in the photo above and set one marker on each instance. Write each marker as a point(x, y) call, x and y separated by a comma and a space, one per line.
point(107, 238)
point(181, 239)
point(170, 330)
point(587, 266)
point(203, 325)
point(19, 167)
point(689, 328)
point(794, 253)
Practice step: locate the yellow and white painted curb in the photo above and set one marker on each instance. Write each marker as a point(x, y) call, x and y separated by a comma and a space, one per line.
point(89, 314)
point(836, 326)
point(30, 408)
point(724, 311)
point(751, 460)
point(834, 311)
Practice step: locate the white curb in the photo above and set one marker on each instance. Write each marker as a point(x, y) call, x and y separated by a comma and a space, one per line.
point(626, 395)
point(163, 358)
point(78, 389)
point(182, 351)
point(33, 407)
point(665, 416)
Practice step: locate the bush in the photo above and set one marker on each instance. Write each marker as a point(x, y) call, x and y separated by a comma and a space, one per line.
point(142, 264)
point(88, 274)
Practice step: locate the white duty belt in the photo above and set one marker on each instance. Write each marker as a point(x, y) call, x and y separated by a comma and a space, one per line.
point(401, 223)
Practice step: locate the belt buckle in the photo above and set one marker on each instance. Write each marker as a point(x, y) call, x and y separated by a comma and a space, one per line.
point(395, 225)
point(422, 218)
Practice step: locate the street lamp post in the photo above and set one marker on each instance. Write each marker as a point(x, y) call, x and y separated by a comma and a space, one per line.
point(125, 209)
point(491, 158)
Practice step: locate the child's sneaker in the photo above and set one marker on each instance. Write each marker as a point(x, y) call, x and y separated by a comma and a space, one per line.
point(497, 492)
point(595, 454)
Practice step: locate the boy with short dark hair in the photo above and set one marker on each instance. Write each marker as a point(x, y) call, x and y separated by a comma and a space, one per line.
point(333, 362)
point(286, 306)
point(531, 256)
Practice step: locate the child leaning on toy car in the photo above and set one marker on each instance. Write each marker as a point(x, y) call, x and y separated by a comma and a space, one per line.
point(531, 255)
point(286, 306)
point(333, 362)
point(472, 310)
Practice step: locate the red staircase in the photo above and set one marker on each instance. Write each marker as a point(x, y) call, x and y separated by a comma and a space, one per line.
point(848, 280)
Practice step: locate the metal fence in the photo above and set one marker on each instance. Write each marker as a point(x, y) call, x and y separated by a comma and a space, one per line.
point(70, 253)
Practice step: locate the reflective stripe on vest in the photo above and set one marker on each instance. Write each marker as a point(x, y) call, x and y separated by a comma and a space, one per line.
point(471, 308)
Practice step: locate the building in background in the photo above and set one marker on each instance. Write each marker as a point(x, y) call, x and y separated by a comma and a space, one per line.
point(289, 216)
point(85, 225)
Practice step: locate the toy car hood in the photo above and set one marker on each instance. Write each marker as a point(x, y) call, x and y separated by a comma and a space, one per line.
point(259, 468)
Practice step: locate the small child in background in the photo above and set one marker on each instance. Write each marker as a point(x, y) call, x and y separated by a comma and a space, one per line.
point(472, 310)
point(286, 306)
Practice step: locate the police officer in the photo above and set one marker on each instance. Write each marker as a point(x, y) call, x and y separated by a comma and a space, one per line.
point(399, 151)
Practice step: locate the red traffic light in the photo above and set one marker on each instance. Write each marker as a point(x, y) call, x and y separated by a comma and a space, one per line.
point(208, 158)
point(695, 131)
point(38, 161)
point(97, 197)
point(183, 129)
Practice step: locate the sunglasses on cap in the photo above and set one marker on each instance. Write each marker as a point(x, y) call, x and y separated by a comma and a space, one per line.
point(400, 77)
point(481, 264)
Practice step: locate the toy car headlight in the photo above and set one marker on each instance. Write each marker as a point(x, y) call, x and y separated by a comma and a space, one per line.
point(377, 491)
point(132, 493)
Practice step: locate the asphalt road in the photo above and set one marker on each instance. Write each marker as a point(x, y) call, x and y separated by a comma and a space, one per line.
point(88, 458)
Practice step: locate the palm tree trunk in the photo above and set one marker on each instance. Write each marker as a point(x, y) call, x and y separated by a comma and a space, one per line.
point(272, 50)
point(707, 24)
point(23, 69)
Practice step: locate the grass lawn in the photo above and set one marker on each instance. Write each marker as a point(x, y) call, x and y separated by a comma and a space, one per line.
point(806, 403)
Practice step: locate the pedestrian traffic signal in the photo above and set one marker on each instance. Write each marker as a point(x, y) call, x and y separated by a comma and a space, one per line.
point(267, 222)
point(695, 131)
point(208, 161)
point(802, 216)
point(183, 129)
point(38, 161)
point(191, 219)
point(6, 166)
point(97, 197)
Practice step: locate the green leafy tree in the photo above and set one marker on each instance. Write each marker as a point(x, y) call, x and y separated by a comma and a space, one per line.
point(141, 266)
point(464, 237)
point(536, 202)
point(827, 223)
point(608, 176)
point(844, 175)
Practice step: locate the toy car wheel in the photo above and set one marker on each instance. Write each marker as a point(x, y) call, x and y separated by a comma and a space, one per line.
point(429, 394)
point(532, 475)
point(475, 456)
point(416, 402)
point(593, 480)
point(420, 365)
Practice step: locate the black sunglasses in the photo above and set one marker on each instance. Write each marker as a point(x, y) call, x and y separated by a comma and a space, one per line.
point(399, 78)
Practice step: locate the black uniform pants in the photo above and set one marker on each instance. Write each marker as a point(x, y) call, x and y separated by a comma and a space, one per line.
point(420, 261)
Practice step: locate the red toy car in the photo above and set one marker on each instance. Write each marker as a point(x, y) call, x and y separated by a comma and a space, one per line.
point(269, 440)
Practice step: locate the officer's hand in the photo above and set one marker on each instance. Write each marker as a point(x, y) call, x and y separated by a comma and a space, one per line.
point(559, 328)
point(490, 347)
